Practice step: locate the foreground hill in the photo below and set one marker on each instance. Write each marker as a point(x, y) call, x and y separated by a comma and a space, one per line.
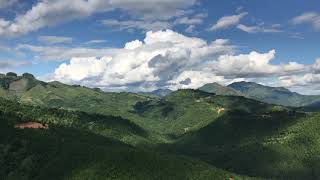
point(276, 146)
point(76, 146)
point(190, 130)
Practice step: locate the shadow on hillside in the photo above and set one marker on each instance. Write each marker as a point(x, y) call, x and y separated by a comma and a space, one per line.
point(47, 154)
point(98, 123)
point(235, 142)
point(69, 153)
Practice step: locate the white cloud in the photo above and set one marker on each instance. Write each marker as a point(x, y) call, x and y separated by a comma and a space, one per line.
point(258, 29)
point(190, 29)
point(133, 45)
point(136, 24)
point(95, 41)
point(153, 9)
point(308, 18)
point(228, 21)
point(316, 66)
point(55, 39)
point(307, 82)
point(166, 59)
point(81, 68)
point(196, 19)
point(48, 13)
point(197, 79)
point(58, 53)
point(253, 64)
point(191, 22)
point(160, 58)
point(300, 80)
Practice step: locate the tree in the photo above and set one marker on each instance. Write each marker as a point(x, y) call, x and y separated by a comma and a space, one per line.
point(11, 74)
point(28, 75)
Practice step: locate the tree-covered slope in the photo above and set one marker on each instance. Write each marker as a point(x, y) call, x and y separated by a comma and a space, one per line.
point(158, 92)
point(273, 95)
point(190, 130)
point(220, 90)
point(188, 110)
point(279, 144)
point(76, 150)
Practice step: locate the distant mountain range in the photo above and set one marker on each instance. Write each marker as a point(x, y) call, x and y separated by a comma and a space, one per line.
point(272, 95)
point(158, 92)
point(224, 133)
point(26, 85)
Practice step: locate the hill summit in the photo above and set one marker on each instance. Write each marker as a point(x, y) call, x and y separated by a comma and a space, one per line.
point(12, 82)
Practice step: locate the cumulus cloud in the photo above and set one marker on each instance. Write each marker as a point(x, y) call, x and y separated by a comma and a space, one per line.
point(161, 57)
point(54, 39)
point(258, 29)
point(228, 21)
point(316, 66)
point(196, 79)
point(307, 82)
point(300, 80)
point(166, 59)
point(312, 18)
point(253, 64)
point(48, 13)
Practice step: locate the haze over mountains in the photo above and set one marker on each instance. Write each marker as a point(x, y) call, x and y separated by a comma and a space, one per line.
point(273, 95)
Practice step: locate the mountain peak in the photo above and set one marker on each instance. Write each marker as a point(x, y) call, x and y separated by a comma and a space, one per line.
point(273, 95)
point(11, 81)
point(245, 84)
point(28, 76)
point(219, 89)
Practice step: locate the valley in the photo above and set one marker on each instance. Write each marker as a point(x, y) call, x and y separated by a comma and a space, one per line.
point(187, 134)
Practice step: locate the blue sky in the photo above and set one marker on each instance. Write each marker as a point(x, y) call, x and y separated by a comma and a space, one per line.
point(84, 42)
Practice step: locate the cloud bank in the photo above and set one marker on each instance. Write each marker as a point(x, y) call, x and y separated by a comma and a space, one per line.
point(47, 13)
point(167, 59)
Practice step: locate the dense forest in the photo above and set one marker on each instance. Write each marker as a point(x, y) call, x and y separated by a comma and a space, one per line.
point(187, 134)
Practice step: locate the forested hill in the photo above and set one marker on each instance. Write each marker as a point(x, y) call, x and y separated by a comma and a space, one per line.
point(187, 134)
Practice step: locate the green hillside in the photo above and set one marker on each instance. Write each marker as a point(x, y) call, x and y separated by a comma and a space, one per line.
point(77, 151)
point(188, 134)
point(273, 95)
point(158, 92)
point(220, 90)
point(280, 146)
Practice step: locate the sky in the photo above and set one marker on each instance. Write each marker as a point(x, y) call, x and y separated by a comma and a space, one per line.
point(144, 45)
